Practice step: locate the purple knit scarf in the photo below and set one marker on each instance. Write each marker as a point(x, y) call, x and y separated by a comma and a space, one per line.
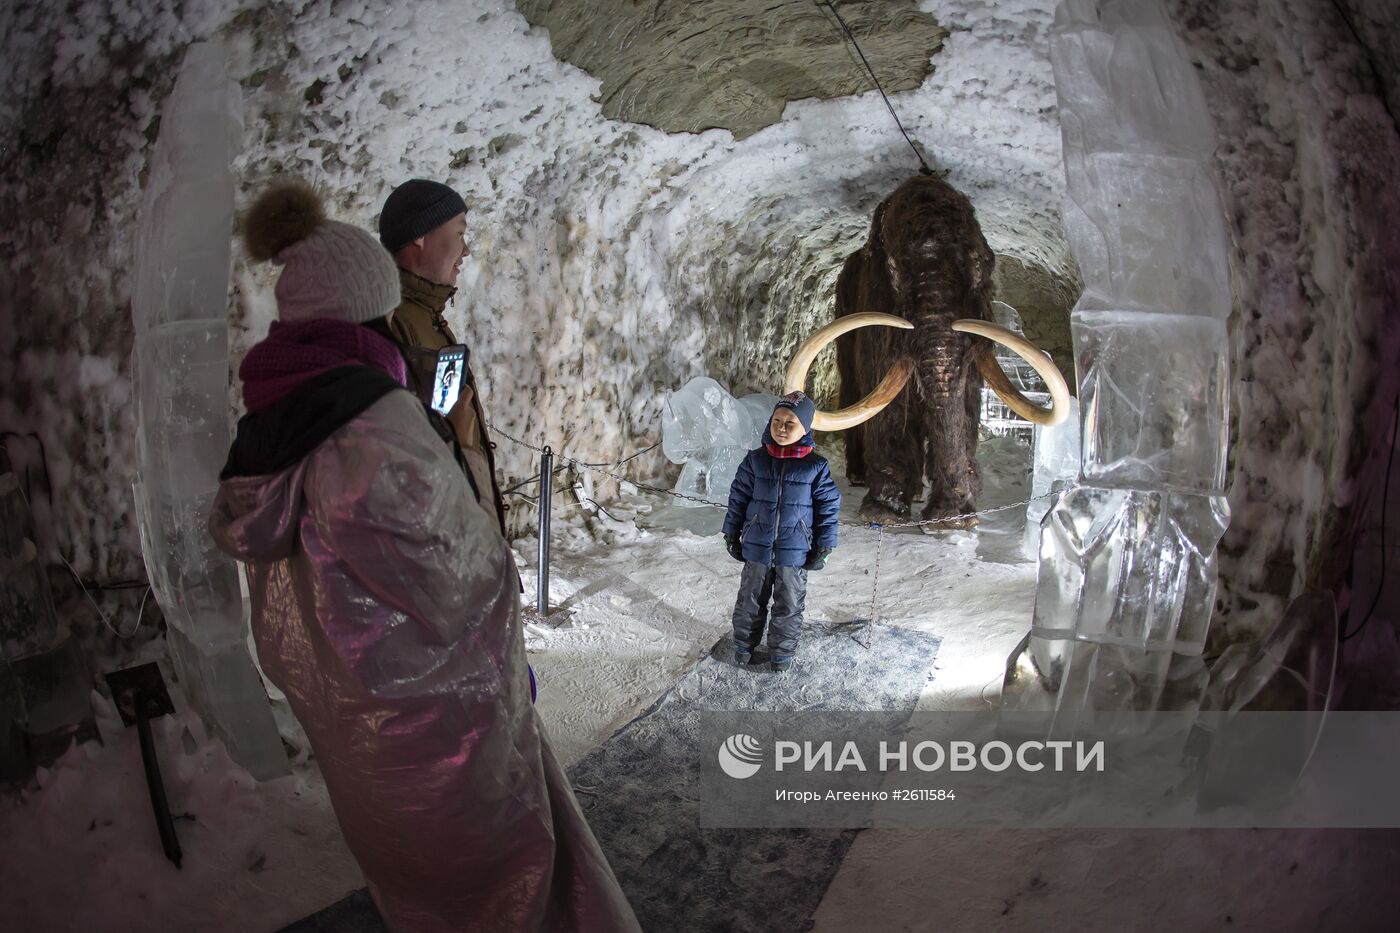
point(297, 351)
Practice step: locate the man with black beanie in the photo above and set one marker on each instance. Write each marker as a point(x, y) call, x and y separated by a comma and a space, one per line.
point(424, 225)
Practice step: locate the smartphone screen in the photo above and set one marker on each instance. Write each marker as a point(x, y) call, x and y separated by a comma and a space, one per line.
point(447, 382)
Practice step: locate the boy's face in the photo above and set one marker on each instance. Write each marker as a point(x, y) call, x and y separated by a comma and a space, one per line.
point(785, 427)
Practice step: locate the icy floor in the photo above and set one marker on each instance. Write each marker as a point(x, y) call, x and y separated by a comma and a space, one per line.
point(633, 611)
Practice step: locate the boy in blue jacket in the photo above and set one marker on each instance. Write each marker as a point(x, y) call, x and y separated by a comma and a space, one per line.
point(781, 523)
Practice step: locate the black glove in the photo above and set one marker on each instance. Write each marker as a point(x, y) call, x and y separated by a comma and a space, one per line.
point(816, 560)
point(736, 550)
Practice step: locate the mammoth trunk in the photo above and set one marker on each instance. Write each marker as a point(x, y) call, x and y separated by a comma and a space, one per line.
point(926, 261)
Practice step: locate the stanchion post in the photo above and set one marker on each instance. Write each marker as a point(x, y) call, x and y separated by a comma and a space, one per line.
point(546, 488)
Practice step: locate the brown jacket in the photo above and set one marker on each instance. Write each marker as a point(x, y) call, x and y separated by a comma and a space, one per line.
point(419, 325)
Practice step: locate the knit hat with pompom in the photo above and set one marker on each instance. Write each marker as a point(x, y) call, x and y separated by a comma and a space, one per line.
point(329, 269)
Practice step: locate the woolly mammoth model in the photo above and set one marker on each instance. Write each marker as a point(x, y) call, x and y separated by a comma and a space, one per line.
point(927, 262)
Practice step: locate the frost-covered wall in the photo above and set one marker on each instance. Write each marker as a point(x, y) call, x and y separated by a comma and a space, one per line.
point(1376, 25)
point(1308, 157)
point(612, 262)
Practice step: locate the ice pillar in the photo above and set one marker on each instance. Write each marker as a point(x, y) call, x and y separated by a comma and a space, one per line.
point(1054, 468)
point(180, 364)
point(1127, 556)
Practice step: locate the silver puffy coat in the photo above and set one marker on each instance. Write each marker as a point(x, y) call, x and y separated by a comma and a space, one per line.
point(385, 607)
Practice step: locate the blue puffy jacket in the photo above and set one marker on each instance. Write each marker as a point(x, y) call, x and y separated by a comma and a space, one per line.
point(782, 509)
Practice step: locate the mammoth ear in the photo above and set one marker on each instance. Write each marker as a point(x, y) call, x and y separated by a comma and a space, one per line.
point(981, 263)
point(876, 240)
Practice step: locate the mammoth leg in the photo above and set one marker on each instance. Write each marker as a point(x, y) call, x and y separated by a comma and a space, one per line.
point(955, 482)
point(894, 454)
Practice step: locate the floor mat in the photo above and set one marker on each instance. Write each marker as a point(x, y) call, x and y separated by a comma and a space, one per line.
point(640, 788)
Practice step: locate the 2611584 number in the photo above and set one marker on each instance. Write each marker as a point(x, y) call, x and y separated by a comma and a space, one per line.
point(919, 794)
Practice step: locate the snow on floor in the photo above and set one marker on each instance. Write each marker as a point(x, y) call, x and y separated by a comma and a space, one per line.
point(634, 610)
point(82, 852)
point(1282, 881)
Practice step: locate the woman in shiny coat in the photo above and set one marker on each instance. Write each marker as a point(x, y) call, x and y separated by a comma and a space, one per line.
point(385, 607)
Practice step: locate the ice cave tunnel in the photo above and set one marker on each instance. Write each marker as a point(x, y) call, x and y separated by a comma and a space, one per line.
point(1183, 206)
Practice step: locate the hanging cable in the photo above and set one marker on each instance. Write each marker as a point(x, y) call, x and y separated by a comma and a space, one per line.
point(43, 459)
point(515, 490)
point(923, 166)
point(1385, 502)
point(624, 459)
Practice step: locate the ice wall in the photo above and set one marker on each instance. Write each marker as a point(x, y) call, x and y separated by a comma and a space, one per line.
point(1127, 557)
point(180, 371)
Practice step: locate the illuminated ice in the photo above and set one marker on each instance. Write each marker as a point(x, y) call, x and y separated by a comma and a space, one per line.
point(1127, 557)
point(181, 370)
point(709, 431)
point(1054, 468)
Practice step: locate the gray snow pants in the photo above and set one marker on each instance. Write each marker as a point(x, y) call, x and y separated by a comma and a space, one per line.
point(786, 589)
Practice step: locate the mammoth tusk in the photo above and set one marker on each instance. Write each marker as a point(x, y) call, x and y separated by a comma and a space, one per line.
point(872, 404)
point(1059, 391)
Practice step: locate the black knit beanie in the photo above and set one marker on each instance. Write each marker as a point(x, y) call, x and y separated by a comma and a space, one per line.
point(803, 407)
point(416, 208)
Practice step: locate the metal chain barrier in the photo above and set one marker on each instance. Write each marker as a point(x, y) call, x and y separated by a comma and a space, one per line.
point(874, 590)
point(878, 527)
point(599, 468)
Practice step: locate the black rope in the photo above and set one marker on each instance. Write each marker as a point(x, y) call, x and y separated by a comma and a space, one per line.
point(923, 166)
point(43, 461)
point(534, 479)
point(599, 506)
point(119, 585)
point(623, 460)
point(567, 463)
point(1385, 502)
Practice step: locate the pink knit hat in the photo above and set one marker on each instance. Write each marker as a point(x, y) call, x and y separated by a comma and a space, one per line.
point(329, 269)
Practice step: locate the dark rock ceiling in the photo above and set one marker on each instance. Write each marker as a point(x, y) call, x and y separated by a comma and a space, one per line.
point(693, 65)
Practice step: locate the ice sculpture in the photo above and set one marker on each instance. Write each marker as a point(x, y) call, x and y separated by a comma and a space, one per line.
point(1022, 375)
point(1054, 468)
point(180, 370)
point(996, 417)
point(1127, 557)
point(709, 431)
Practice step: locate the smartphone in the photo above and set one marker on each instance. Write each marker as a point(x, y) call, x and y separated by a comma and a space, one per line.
point(447, 381)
